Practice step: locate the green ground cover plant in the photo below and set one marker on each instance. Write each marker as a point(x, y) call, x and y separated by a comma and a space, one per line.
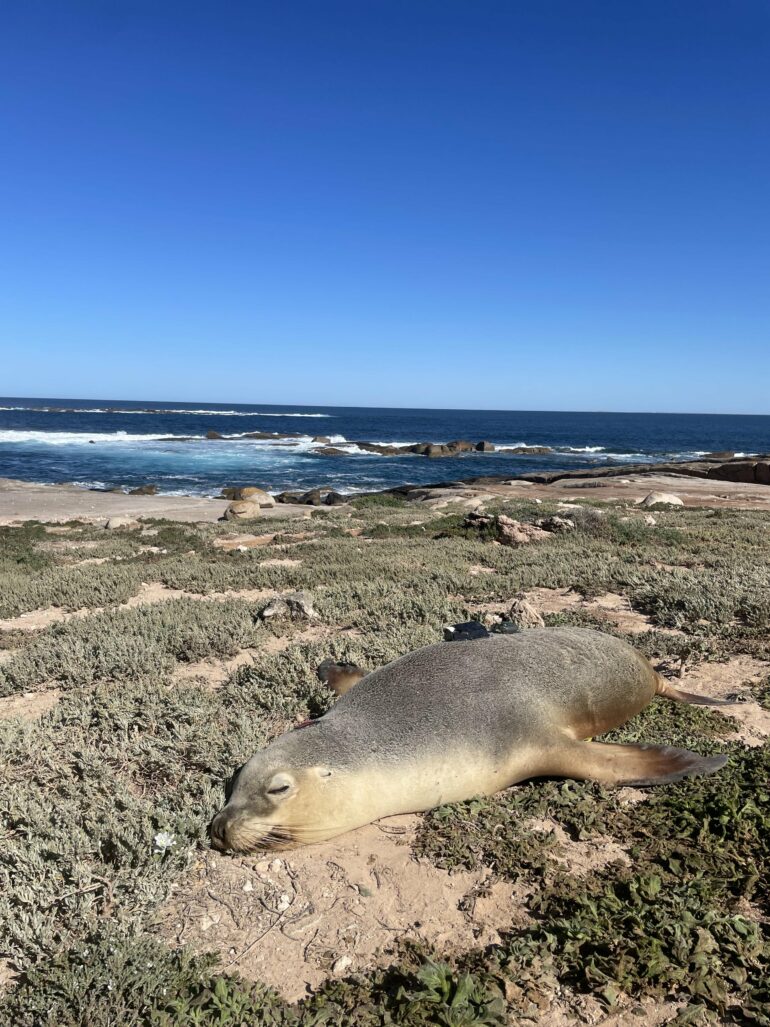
point(128, 752)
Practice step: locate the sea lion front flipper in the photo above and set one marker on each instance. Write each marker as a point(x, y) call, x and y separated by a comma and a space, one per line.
point(630, 764)
point(340, 677)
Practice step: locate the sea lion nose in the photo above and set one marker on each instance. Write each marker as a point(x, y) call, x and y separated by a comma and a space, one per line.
point(218, 830)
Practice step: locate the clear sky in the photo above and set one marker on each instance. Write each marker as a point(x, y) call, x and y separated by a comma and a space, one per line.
point(444, 203)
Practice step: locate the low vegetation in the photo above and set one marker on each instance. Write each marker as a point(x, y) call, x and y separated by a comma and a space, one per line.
point(131, 753)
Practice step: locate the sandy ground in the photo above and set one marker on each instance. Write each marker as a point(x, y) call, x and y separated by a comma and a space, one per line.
point(23, 501)
point(27, 501)
point(692, 491)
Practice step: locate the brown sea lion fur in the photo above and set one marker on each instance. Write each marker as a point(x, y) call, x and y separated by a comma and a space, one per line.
point(451, 721)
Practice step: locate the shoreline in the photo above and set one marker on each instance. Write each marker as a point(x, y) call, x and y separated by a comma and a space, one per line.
point(735, 482)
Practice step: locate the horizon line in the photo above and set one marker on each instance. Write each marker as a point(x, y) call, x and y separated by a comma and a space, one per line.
point(468, 410)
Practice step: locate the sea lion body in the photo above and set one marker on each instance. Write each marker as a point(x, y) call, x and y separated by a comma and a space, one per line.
point(448, 722)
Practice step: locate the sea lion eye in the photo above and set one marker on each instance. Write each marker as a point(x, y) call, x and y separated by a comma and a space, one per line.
point(281, 784)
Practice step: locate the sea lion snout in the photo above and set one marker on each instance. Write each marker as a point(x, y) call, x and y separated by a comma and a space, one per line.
point(238, 830)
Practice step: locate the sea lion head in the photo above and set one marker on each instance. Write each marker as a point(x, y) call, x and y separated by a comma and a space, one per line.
point(276, 801)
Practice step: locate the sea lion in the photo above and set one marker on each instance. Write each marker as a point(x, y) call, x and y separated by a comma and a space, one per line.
point(449, 722)
point(340, 677)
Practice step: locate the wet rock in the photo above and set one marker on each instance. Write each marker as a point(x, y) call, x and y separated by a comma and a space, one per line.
point(144, 490)
point(485, 447)
point(213, 435)
point(311, 498)
point(526, 450)
point(322, 438)
point(334, 499)
point(330, 451)
point(435, 450)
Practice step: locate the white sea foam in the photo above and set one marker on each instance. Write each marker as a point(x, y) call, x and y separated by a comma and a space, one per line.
point(158, 410)
point(73, 438)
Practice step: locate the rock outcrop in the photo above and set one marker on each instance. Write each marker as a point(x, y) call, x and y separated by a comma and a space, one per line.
point(661, 499)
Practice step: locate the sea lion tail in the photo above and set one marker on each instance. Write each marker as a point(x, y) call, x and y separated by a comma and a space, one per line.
point(665, 688)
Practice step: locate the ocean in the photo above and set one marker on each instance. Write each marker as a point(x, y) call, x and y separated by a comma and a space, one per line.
point(106, 443)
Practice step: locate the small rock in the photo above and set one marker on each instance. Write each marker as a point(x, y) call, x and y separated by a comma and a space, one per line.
point(276, 610)
point(342, 965)
point(311, 498)
point(242, 510)
point(524, 615)
point(491, 620)
point(515, 533)
point(213, 435)
point(557, 525)
point(301, 605)
point(144, 490)
point(664, 498)
point(121, 522)
point(334, 499)
point(250, 494)
point(650, 520)
point(296, 605)
point(322, 438)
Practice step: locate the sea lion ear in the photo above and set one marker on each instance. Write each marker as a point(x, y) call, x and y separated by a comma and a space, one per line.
point(281, 786)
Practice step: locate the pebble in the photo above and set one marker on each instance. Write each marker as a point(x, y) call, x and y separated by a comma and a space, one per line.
point(342, 964)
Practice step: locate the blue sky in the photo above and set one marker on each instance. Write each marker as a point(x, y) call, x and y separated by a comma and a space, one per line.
point(500, 204)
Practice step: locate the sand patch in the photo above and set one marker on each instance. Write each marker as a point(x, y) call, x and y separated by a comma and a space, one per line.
point(28, 705)
point(316, 633)
point(149, 592)
point(235, 541)
point(333, 909)
point(211, 674)
point(476, 569)
point(734, 678)
point(280, 562)
point(583, 856)
point(611, 607)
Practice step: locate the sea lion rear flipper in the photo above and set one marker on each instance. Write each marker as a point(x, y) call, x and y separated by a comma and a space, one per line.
point(631, 764)
point(679, 695)
point(340, 677)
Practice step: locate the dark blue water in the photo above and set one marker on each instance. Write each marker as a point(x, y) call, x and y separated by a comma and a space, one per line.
point(109, 443)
